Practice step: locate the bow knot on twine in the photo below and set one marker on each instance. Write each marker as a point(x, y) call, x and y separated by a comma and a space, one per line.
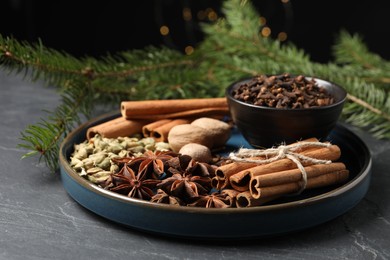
point(281, 152)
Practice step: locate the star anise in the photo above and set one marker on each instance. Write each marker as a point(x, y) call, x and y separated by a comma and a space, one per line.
point(185, 163)
point(133, 185)
point(122, 160)
point(163, 197)
point(214, 200)
point(179, 164)
point(202, 169)
point(185, 185)
point(152, 162)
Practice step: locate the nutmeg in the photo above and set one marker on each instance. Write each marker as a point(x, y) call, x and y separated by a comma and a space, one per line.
point(197, 152)
point(219, 130)
point(181, 135)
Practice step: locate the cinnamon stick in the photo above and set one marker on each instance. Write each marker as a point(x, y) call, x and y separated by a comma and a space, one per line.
point(288, 188)
point(245, 199)
point(116, 127)
point(174, 108)
point(216, 183)
point(240, 180)
point(147, 129)
point(231, 195)
point(223, 172)
point(160, 133)
point(294, 175)
point(291, 176)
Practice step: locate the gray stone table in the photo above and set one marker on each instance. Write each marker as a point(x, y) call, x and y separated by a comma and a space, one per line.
point(39, 220)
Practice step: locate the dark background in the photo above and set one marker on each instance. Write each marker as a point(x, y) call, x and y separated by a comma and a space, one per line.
point(95, 28)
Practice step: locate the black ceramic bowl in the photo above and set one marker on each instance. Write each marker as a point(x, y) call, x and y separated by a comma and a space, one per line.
point(264, 127)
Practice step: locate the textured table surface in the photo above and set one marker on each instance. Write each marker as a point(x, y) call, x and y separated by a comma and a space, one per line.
point(39, 220)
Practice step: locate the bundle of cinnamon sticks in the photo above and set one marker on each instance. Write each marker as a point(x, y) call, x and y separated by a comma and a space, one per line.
point(256, 183)
point(154, 118)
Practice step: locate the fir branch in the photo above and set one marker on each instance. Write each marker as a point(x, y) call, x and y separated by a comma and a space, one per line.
point(37, 61)
point(240, 16)
point(368, 106)
point(44, 137)
point(232, 49)
point(58, 68)
point(350, 50)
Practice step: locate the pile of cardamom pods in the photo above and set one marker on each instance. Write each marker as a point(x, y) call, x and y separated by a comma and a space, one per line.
point(91, 159)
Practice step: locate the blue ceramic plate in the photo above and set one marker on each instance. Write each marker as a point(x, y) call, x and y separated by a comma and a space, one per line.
point(281, 216)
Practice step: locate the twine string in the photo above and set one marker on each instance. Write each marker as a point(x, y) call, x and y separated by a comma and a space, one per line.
point(281, 152)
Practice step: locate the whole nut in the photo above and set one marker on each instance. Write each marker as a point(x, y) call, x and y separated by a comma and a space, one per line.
point(181, 135)
point(219, 130)
point(197, 152)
